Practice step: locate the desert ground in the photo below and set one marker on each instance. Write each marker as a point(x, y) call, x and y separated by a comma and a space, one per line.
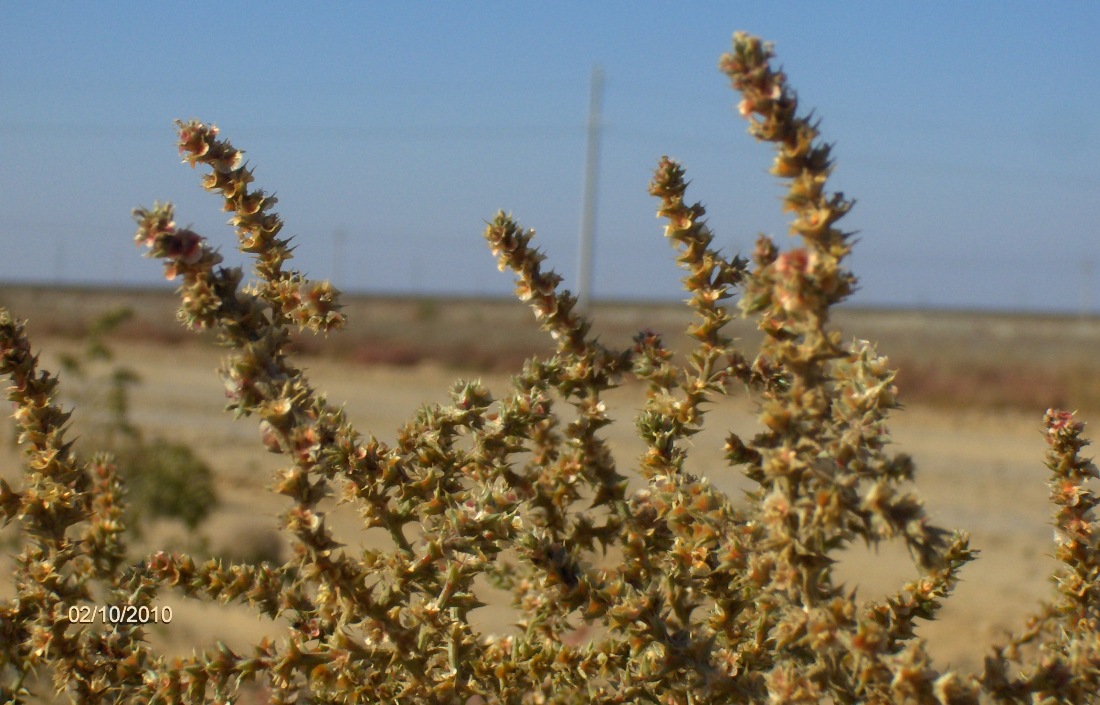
point(974, 386)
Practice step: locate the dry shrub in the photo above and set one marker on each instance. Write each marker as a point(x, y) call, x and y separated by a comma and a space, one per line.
point(709, 602)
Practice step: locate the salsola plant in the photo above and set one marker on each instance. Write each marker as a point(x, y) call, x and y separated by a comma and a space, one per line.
point(706, 601)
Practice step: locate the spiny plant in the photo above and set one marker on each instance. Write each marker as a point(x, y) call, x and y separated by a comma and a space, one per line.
point(708, 601)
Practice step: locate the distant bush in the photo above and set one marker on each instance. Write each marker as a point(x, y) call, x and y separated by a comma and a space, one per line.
point(101, 388)
point(251, 542)
point(163, 479)
point(167, 480)
point(703, 601)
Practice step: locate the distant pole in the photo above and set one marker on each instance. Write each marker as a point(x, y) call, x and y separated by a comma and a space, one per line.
point(338, 239)
point(59, 258)
point(1087, 267)
point(588, 209)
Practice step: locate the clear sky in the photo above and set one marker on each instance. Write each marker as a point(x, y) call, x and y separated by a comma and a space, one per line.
point(966, 131)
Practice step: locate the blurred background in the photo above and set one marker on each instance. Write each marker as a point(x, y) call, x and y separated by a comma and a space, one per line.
point(391, 131)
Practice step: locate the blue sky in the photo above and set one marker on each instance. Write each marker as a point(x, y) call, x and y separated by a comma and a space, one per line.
point(967, 133)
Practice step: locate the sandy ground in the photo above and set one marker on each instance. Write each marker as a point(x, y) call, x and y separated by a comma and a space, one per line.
point(981, 472)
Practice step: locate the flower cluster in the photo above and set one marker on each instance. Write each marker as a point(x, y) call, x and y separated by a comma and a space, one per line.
point(690, 598)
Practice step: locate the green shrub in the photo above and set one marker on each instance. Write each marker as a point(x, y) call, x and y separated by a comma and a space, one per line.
point(101, 389)
point(163, 479)
point(709, 602)
point(166, 480)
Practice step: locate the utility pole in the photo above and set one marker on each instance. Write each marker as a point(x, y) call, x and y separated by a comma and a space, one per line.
point(591, 175)
point(1087, 268)
point(339, 238)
